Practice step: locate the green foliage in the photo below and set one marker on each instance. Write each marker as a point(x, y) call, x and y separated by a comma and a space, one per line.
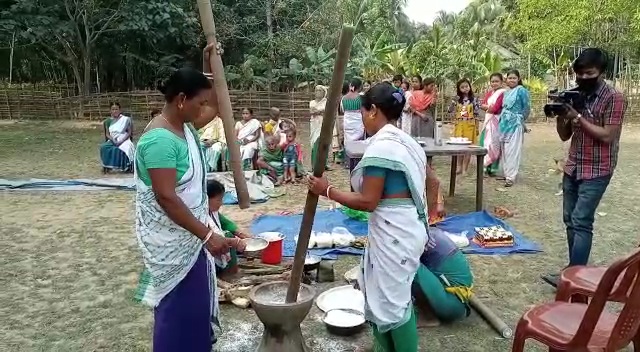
point(130, 44)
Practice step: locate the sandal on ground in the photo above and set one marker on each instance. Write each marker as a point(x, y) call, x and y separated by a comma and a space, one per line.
point(508, 183)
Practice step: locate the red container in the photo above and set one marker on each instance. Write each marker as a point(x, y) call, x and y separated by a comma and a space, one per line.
point(273, 253)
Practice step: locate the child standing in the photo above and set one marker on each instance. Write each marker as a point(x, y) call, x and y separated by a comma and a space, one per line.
point(292, 154)
point(465, 110)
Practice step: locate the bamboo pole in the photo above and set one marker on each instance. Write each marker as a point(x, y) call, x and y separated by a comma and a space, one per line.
point(224, 104)
point(496, 323)
point(326, 133)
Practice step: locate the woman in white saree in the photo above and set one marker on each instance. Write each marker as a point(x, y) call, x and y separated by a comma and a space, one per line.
point(316, 110)
point(171, 220)
point(389, 182)
point(116, 153)
point(248, 133)
point(213, 141)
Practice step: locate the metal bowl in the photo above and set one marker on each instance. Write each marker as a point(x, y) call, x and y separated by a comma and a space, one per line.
point(255, 245)
point(346, 329)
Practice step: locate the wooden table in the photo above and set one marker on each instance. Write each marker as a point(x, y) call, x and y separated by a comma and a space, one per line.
point(355, 150)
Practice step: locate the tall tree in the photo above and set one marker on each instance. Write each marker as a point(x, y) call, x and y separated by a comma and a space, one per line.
point(68, 30)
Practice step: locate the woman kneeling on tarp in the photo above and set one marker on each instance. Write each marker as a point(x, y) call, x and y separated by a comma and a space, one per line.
point(443, 283)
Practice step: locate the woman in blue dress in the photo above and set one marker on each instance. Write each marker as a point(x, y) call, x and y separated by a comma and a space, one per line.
point(515, 111)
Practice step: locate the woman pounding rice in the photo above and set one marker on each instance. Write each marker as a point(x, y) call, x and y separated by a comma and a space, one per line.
point(177, 247)
point(389, 182)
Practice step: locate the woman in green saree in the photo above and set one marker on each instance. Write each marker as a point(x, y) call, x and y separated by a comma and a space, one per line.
point(270, 160)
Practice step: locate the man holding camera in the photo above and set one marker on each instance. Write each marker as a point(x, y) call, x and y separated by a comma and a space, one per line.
point(594, 129)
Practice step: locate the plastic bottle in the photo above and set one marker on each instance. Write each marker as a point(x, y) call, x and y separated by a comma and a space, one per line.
point(437, 135)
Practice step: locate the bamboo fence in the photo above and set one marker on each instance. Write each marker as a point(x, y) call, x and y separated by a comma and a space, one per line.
point(31, 102)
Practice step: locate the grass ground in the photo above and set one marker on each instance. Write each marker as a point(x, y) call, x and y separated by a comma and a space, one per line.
point(70, 263)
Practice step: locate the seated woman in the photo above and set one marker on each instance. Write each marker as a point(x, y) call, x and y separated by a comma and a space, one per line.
point(442, 286)
point(248, 132)
point(116, 153)
point(215, 193)
point(270, 160)
point(213, 141)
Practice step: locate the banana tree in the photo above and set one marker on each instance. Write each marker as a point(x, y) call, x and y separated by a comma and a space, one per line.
point(397, 62)
point(245, 75)
point(291, 76)
point(372, 55)
point(317, 64)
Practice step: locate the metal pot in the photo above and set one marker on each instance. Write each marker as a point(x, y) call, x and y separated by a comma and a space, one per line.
point(344, 330)
point(254, 248)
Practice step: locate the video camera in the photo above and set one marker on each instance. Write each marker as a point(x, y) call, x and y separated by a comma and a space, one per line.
point(572, 97)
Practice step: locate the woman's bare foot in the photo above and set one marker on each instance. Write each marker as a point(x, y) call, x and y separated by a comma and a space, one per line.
point(428, 323)
point(426, 320)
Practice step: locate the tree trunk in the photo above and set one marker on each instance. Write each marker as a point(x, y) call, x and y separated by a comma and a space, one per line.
point(12, 46)
point(80, 85)
point(87, 73)
point(270, 38)
point(224, 104)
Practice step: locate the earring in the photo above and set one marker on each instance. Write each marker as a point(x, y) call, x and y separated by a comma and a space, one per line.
point(372, 116)
point(180, 106)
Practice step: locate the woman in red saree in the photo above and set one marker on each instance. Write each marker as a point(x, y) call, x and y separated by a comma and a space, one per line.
point(421, 106)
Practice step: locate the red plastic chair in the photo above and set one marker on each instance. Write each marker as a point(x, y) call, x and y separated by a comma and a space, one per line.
point(579, 283)
point(565, 326)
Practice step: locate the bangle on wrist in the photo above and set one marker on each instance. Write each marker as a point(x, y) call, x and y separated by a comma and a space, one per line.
point(329, 189)
point(208, 237)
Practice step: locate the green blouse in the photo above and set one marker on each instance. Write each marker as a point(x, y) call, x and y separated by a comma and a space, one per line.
point(351, 104)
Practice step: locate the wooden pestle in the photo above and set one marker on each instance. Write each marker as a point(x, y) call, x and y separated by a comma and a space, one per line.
point(224, 104)
point(324, 141)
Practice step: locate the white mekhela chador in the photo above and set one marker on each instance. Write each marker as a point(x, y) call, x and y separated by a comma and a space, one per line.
point(168, 250)
point(248, 130)
point(397, 230)
point(118, 132)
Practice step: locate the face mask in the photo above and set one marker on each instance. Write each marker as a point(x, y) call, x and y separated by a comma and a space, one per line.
point(587, 84)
